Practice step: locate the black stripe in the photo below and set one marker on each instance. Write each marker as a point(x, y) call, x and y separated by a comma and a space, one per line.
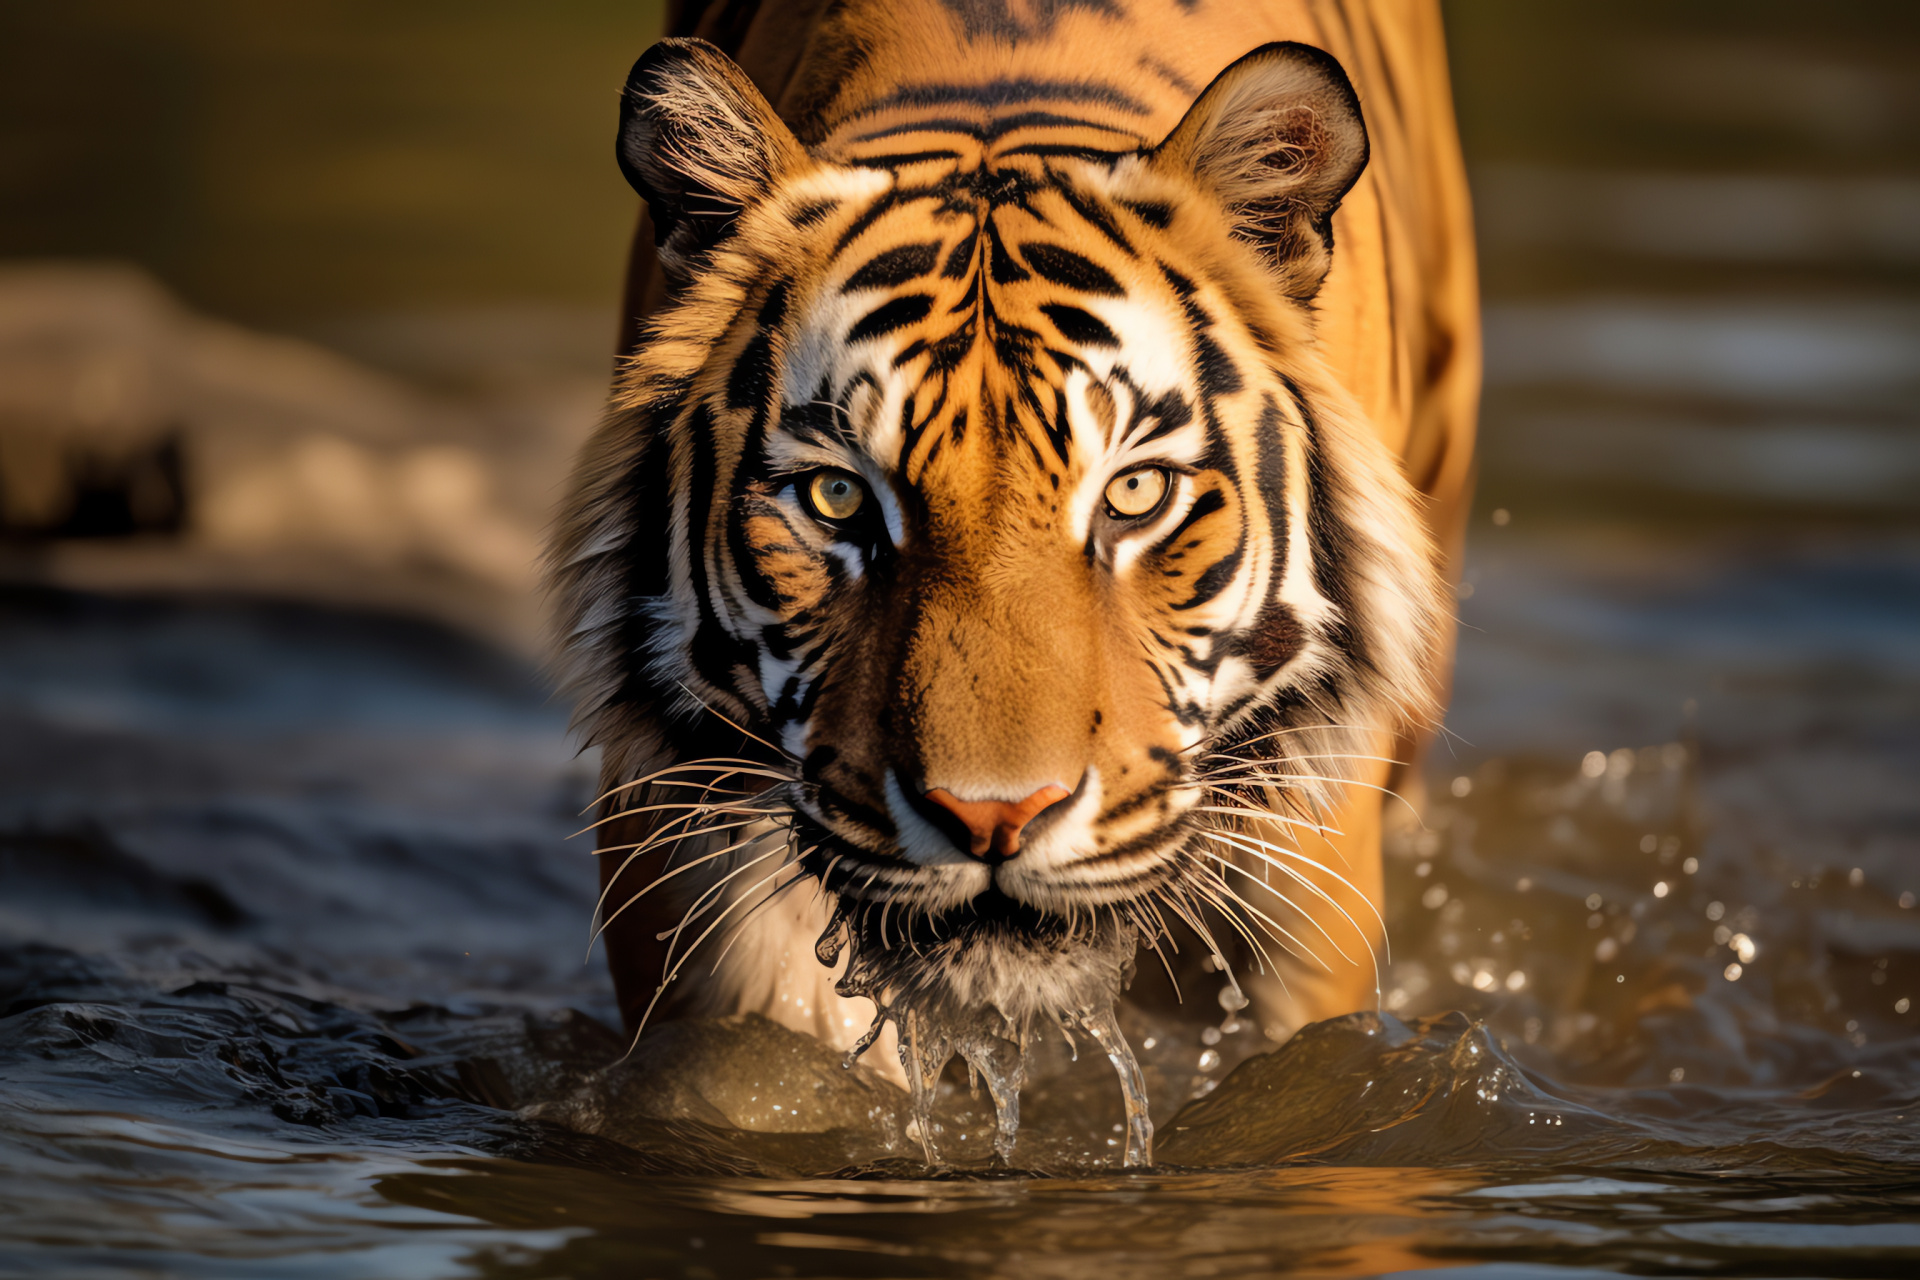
point(901, 159)
point(812, 212)
point(714, 652)
point(1218, 574)
point(889, 316)
point(1270, 472)
point(1004, 92)
point(988, 130)
point(751, 379)
point(1328, 541)
point(1001, 264)
point(1069, 150)
point(1079, 326)
point(746, 557)
point(1095, 215)
point(932, 124)
point(1152, 212)
point(815, 422)
point(895, 266)
point(1072, 270)
point(1171, 411)
point(961, 259)
point(1203, 506)
point(1275, 638)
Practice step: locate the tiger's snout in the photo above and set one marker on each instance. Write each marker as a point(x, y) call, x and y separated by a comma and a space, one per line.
point(990, 829)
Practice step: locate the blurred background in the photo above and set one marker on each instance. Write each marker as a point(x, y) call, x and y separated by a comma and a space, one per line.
point(313, 298)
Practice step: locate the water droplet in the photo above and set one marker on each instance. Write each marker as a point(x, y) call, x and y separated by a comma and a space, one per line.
point(1593, 764)
point(1902, 1005)
point(1593, 901)
point(1209, 1059)
point(1715, 910)
point(1732, 973)
point(1660, 889)
point(1462, 787)
point(1690, 866)
point(1676, 1075)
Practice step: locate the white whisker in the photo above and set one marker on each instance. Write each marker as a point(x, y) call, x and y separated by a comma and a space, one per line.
point(686, 866)
point(740, 925)
point(717, 922)
point(1242, 840)
point(723, 719)
point(1303, 948)
point(682, 807)
point(713, 764)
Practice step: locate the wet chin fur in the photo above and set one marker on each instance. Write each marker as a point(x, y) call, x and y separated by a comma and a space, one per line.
point(993, 953)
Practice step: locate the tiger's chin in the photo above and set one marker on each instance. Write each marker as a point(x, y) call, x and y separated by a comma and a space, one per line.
point(992, 955)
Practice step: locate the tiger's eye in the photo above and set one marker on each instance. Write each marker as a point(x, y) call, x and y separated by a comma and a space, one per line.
point(1135, 493)
point(835, 495)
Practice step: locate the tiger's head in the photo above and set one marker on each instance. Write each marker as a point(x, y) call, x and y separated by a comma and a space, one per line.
point(990, 478)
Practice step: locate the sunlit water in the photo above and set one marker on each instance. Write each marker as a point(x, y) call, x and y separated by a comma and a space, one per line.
point(292, 978)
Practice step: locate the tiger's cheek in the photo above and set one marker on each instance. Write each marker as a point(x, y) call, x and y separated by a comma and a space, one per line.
point(1191, 578)
point(784, 575)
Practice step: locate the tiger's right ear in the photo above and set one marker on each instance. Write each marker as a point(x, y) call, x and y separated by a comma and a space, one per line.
point(700, 142)
point(1279, 138)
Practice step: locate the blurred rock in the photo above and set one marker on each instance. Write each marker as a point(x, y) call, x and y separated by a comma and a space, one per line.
point(145, 446)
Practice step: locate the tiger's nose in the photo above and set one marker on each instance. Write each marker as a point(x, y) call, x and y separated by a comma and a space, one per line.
point(995, 825)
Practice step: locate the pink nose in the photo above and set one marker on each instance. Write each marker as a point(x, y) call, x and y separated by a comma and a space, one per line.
point(995, 825)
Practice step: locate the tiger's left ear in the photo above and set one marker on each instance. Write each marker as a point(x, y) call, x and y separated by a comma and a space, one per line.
point(701, 143)
point(1278, 137)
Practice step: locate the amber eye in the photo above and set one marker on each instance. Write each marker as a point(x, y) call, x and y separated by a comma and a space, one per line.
point(835, 494)
point(1135, 493)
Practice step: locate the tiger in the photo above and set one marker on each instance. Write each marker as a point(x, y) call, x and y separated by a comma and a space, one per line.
point(1017, 557)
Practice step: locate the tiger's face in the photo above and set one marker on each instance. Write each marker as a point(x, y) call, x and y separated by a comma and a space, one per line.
point(998, 488)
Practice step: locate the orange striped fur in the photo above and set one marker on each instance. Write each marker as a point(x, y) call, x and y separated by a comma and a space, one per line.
point(938, 294)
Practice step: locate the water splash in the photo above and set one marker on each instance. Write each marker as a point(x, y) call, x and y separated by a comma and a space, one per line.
point(994, 1053)
point(1105, 1028)
point(980, 990)
point(995, 1050)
